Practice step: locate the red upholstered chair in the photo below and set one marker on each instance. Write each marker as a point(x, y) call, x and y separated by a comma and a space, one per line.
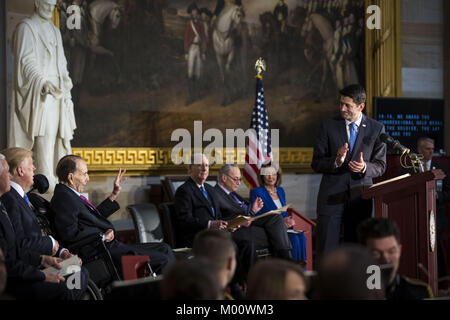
point(134, 267)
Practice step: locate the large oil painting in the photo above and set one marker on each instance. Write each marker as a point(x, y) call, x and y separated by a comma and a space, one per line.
point(143, 68)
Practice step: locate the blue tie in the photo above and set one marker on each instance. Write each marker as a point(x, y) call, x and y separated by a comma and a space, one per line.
point(27, 200)
point(353, 135)
point(206, 196)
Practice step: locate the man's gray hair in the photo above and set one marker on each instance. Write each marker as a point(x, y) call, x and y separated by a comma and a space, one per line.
point(196, 156)
point(226, 169)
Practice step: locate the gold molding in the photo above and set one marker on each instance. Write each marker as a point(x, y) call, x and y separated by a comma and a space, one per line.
point(157, 161)
point(383, 58)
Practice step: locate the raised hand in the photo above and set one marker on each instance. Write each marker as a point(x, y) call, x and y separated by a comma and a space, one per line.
point(117, 188)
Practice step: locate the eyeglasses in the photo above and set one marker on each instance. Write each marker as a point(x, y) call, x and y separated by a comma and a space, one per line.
point(235, 179)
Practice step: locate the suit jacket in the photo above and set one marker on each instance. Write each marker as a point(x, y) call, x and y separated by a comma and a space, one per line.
point(21, 263)
point(336, 182)
point(229, 208)
point(74, 219)
point(25, 223)
point(193, 210)
point(269, 204)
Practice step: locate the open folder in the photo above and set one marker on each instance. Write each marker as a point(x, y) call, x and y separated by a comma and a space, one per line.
point(68, 266)
point(239, 220)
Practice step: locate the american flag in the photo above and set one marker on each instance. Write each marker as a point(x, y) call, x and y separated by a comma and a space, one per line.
point(259, 149)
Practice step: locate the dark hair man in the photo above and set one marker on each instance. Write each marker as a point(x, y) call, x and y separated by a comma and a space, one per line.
point(382, 237)
point(349, 154)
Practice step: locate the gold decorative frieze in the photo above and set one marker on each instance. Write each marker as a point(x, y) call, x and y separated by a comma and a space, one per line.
point(144, 161)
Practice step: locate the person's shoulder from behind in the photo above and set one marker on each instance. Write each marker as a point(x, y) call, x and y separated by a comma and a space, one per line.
point(415, 288)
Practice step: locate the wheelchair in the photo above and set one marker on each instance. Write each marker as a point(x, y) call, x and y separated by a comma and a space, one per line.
point(102, 271)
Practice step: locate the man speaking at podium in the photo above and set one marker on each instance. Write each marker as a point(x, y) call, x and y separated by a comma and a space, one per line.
point(349, 154)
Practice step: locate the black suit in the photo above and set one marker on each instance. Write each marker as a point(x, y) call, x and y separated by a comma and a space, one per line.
point(25, 223)
point(265, 232)
point(25, 280)
point(75, 219)
point(340, 190)
point(193, 213)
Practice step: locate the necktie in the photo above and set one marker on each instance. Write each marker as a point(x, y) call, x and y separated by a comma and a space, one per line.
point(239, 202)
point(27, 200)
point(206, 196)
point(89, 204)
point(353, 135)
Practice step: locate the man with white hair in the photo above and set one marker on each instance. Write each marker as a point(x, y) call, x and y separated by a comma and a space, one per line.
point(42, 117)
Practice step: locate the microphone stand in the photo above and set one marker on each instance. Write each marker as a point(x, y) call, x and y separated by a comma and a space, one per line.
point(415, 159)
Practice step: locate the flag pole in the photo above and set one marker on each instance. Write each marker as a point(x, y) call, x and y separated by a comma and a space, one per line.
point(251, 169)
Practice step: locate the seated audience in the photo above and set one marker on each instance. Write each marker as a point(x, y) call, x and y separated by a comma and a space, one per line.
point(217, 247)
point(20, 210)
point(275, 279)
point(274, 197)
point(191, 279)
point(197, 208)
point(76, 217)
point(342, 275)
point(265, 232)
point(382, 237)
point(25, 279)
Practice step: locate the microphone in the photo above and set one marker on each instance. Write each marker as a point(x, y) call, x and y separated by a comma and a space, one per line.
point(393, 144)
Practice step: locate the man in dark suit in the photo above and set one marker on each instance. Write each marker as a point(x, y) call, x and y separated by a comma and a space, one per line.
point(75, 217)
point(25, 280)
point(19, 208)
point(197, 208)
point(349, 154)
point(425, 147)
point(265, 232)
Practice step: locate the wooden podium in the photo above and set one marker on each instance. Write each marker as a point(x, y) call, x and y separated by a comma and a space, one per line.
point(411, 203)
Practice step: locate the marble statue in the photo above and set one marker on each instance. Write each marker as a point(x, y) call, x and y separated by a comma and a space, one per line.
point(41, 117)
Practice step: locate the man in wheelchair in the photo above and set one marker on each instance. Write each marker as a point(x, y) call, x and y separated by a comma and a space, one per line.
point(76, 217)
